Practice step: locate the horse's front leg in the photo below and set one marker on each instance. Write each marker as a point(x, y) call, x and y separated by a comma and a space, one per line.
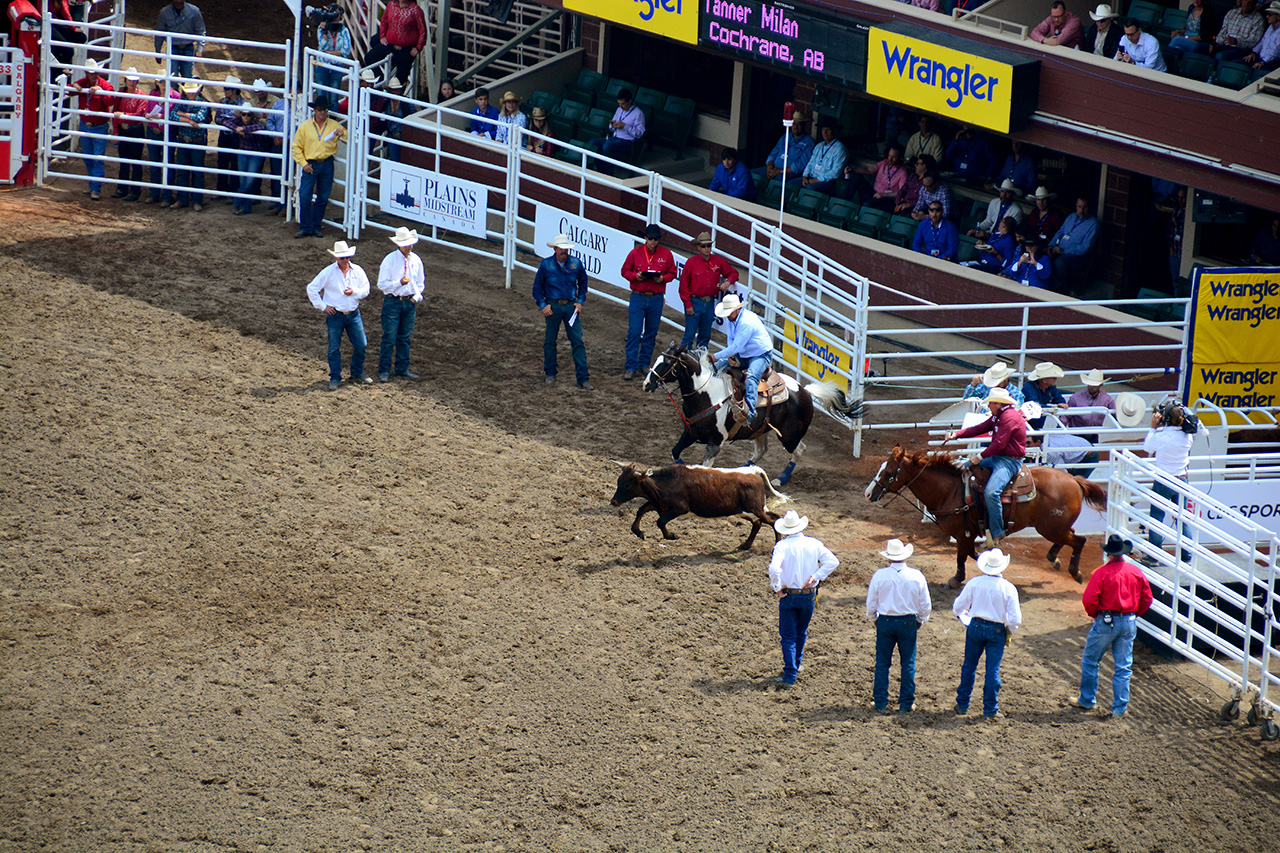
point(761, 445)
point(713, 449)
point(635, 525)
point(686, 439)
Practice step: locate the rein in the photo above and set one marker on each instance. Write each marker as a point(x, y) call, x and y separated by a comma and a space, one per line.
point(915, 503)
point(678, 406)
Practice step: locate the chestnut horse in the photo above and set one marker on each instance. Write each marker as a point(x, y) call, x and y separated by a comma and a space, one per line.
point(937, 481)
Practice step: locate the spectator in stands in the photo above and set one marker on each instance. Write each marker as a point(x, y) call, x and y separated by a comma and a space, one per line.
point(157, 110)
point(402, 33)
point(970, 156)
point(1139, 48)
point(1060, 29)
point(827, 163)
point(130, 120)
point(1091, 395)
point(1000, 251)
point(626, 129)
point(248, 126)
point(931, 5)
point(447, 91)
point(924, 141)
point(1042, 387)
point(190, 117)
point(797, 150)
point(1030, 268)
point(883, 192)
point(1200, 31)
point(1103, 37)
point(1071, 249)
point(1242, 28)
point(538, 124)
point(228, 140)
point(484, 120)
point(184, 21)
point(1266, 245)
point(509, 116)
point(314, 145)
point(704, 278)
point(1019, 168)
point(732, 177)
point(932, 190)
point(995, 376)
point(96, 104)
point(1000, 207)
point(1044, 221)
point(1177, 228)
point(910, 192)
point(333, 39)
point(648, 269)
point(62, 31)
point(937, 236)
point(275, 131)
point(1266, 54)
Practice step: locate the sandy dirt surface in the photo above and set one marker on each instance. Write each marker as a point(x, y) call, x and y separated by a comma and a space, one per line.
point(241, 612)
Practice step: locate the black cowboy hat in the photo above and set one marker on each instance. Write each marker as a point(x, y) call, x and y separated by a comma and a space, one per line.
point(1116, 546)
point(320, 103)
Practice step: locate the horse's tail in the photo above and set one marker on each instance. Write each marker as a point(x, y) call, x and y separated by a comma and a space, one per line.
point(777, 498)
point(832, 397)
point(1094, 495)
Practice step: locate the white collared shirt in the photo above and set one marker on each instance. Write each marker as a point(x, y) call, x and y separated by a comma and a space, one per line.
point(396, 266)
point(899, 590)
point(992, 598)
point(1170, 447)
point(798, 558)
point(326, 289)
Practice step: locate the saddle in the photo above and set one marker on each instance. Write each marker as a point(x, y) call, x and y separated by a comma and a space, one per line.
point(771, 391)
point(1021, 489)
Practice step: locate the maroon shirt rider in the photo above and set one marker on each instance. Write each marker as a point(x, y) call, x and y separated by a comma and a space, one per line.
point(1003, 455)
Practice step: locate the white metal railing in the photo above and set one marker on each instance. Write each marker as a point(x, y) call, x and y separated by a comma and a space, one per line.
point(1220, 606)
point(472, 34)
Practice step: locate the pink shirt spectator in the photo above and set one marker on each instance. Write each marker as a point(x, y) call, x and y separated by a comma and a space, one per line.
point(1070, 34)
point(890, 179)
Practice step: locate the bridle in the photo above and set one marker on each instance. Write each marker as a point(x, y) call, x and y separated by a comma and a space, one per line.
point(898, 493)
point(663, 379)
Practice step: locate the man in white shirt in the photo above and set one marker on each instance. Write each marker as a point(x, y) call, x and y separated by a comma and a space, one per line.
point(898, 601)
point(1139, 48)
point(988, 606)
point(337, 292)
point(1063, 450)
point(799, 564)
point(1168, 442)
point(401, 278)
point(749, 342)
point(998, 209)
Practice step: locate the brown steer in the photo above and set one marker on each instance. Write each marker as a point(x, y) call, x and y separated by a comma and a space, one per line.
point(706, 492)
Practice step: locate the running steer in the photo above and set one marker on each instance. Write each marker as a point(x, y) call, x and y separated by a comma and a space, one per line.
point(706, 492)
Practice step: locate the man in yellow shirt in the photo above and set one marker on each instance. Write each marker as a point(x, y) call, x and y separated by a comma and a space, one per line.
point(314, 145)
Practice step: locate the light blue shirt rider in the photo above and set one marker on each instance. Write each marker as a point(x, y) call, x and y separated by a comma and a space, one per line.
point(749, 340)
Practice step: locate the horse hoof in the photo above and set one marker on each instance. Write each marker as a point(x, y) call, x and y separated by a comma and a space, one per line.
point(952, 583)
point(1057, 565)
point(777, 484)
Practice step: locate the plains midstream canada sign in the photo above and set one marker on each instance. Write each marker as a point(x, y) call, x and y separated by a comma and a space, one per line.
point(1233, 356)
point(435, 199)
point(963, 80)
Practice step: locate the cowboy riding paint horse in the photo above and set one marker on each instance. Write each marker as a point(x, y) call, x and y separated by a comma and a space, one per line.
point(707, 414)
point(938, 482)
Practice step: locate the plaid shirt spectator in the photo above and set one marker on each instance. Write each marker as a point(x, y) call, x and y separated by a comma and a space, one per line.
point(940, 193)
point(1245, 29)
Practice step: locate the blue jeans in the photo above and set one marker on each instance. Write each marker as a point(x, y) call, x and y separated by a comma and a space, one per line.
point(250, 162)
point(982, 637)
point(897, 631)
point(183, 67)
point(398, 318)
point(1003, 469)
point(192, 177)
point(1118, 637)
point(697, 326)
point(319, 181)
point(561, 314)
point(1189, 46)
point(354, 327)
point(1157, 514)
point(155, 154)
point(755, 369)
point(794, 613)
point(94, 145)
point(332, 78)
point(644, 315)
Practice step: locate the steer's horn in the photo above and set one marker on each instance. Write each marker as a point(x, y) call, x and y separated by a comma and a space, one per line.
point(619, 464)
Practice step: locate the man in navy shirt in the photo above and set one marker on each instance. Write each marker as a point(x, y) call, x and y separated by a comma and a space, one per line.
point(559, 289)
point(732, 177)
point(485, 122)
point(937, 236)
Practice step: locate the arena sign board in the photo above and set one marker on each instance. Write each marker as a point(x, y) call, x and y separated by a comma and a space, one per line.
point(961, 80)
point(821, 354)
point(1233, 358)
point(1256, 500)
point(673, 19)
point(435, 199)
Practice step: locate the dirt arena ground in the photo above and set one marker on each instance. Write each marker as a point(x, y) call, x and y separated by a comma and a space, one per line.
point(243, 613)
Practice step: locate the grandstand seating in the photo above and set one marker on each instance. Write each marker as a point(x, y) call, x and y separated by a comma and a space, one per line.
point(900, 231)
point(674, 123)
point(869, 222)
point(838, 213)
point(587, 88)
point(808, 203)
point(1232, 75)
point(613, 87)
point(1197, 66)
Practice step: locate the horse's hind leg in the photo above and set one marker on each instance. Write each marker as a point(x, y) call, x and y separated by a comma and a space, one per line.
point(713, 450)
point(1052, 556)
point(761, 445)
point(791, 465)
point(1077, 547)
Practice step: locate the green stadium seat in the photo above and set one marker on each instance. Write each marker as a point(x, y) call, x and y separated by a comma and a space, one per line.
point(808, 203)
point(1232, 75)
point(869, 222)
point(1197, 66)
point(612, 88)
point(838, 213)
point(587, 88)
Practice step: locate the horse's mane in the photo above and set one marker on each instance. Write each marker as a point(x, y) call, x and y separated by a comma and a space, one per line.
point(931, 459)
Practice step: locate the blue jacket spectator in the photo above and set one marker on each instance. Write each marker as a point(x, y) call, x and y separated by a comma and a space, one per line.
point(485, 122)
point(1030, 269)
point(1019, 168)
point(732, 177)
point(798, 151)
point(970, 156)
point(937, 236)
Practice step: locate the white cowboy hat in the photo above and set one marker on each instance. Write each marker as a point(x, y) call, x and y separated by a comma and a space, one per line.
point(1093, 378)
point(394, 83)
point(232, 81)
point(1102, 13)
point(367, 76)
point(260, 85)
point(190, 85)
point(561, 242)
point(993, 562)
point(1043, 192)
point(996, 373)
point(1130, 409)
point(91, 65)
point(1045, 370)
point(728, 305)
point(896, 552)
point(999, 395)
point(131, 73)
point(1030, 410)
point(1009, 186)
point(790, 523)
point(404, 236)
point(341, 250)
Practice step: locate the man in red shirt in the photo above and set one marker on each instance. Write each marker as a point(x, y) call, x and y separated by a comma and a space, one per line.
point(704, 277)
point(402, 32)
point(891, 177)
point(1117, 594)
point(649, 268)
point(1003, 455)
point(96, 104)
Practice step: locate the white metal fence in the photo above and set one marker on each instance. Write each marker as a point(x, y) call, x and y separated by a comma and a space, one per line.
point(1218, 588)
